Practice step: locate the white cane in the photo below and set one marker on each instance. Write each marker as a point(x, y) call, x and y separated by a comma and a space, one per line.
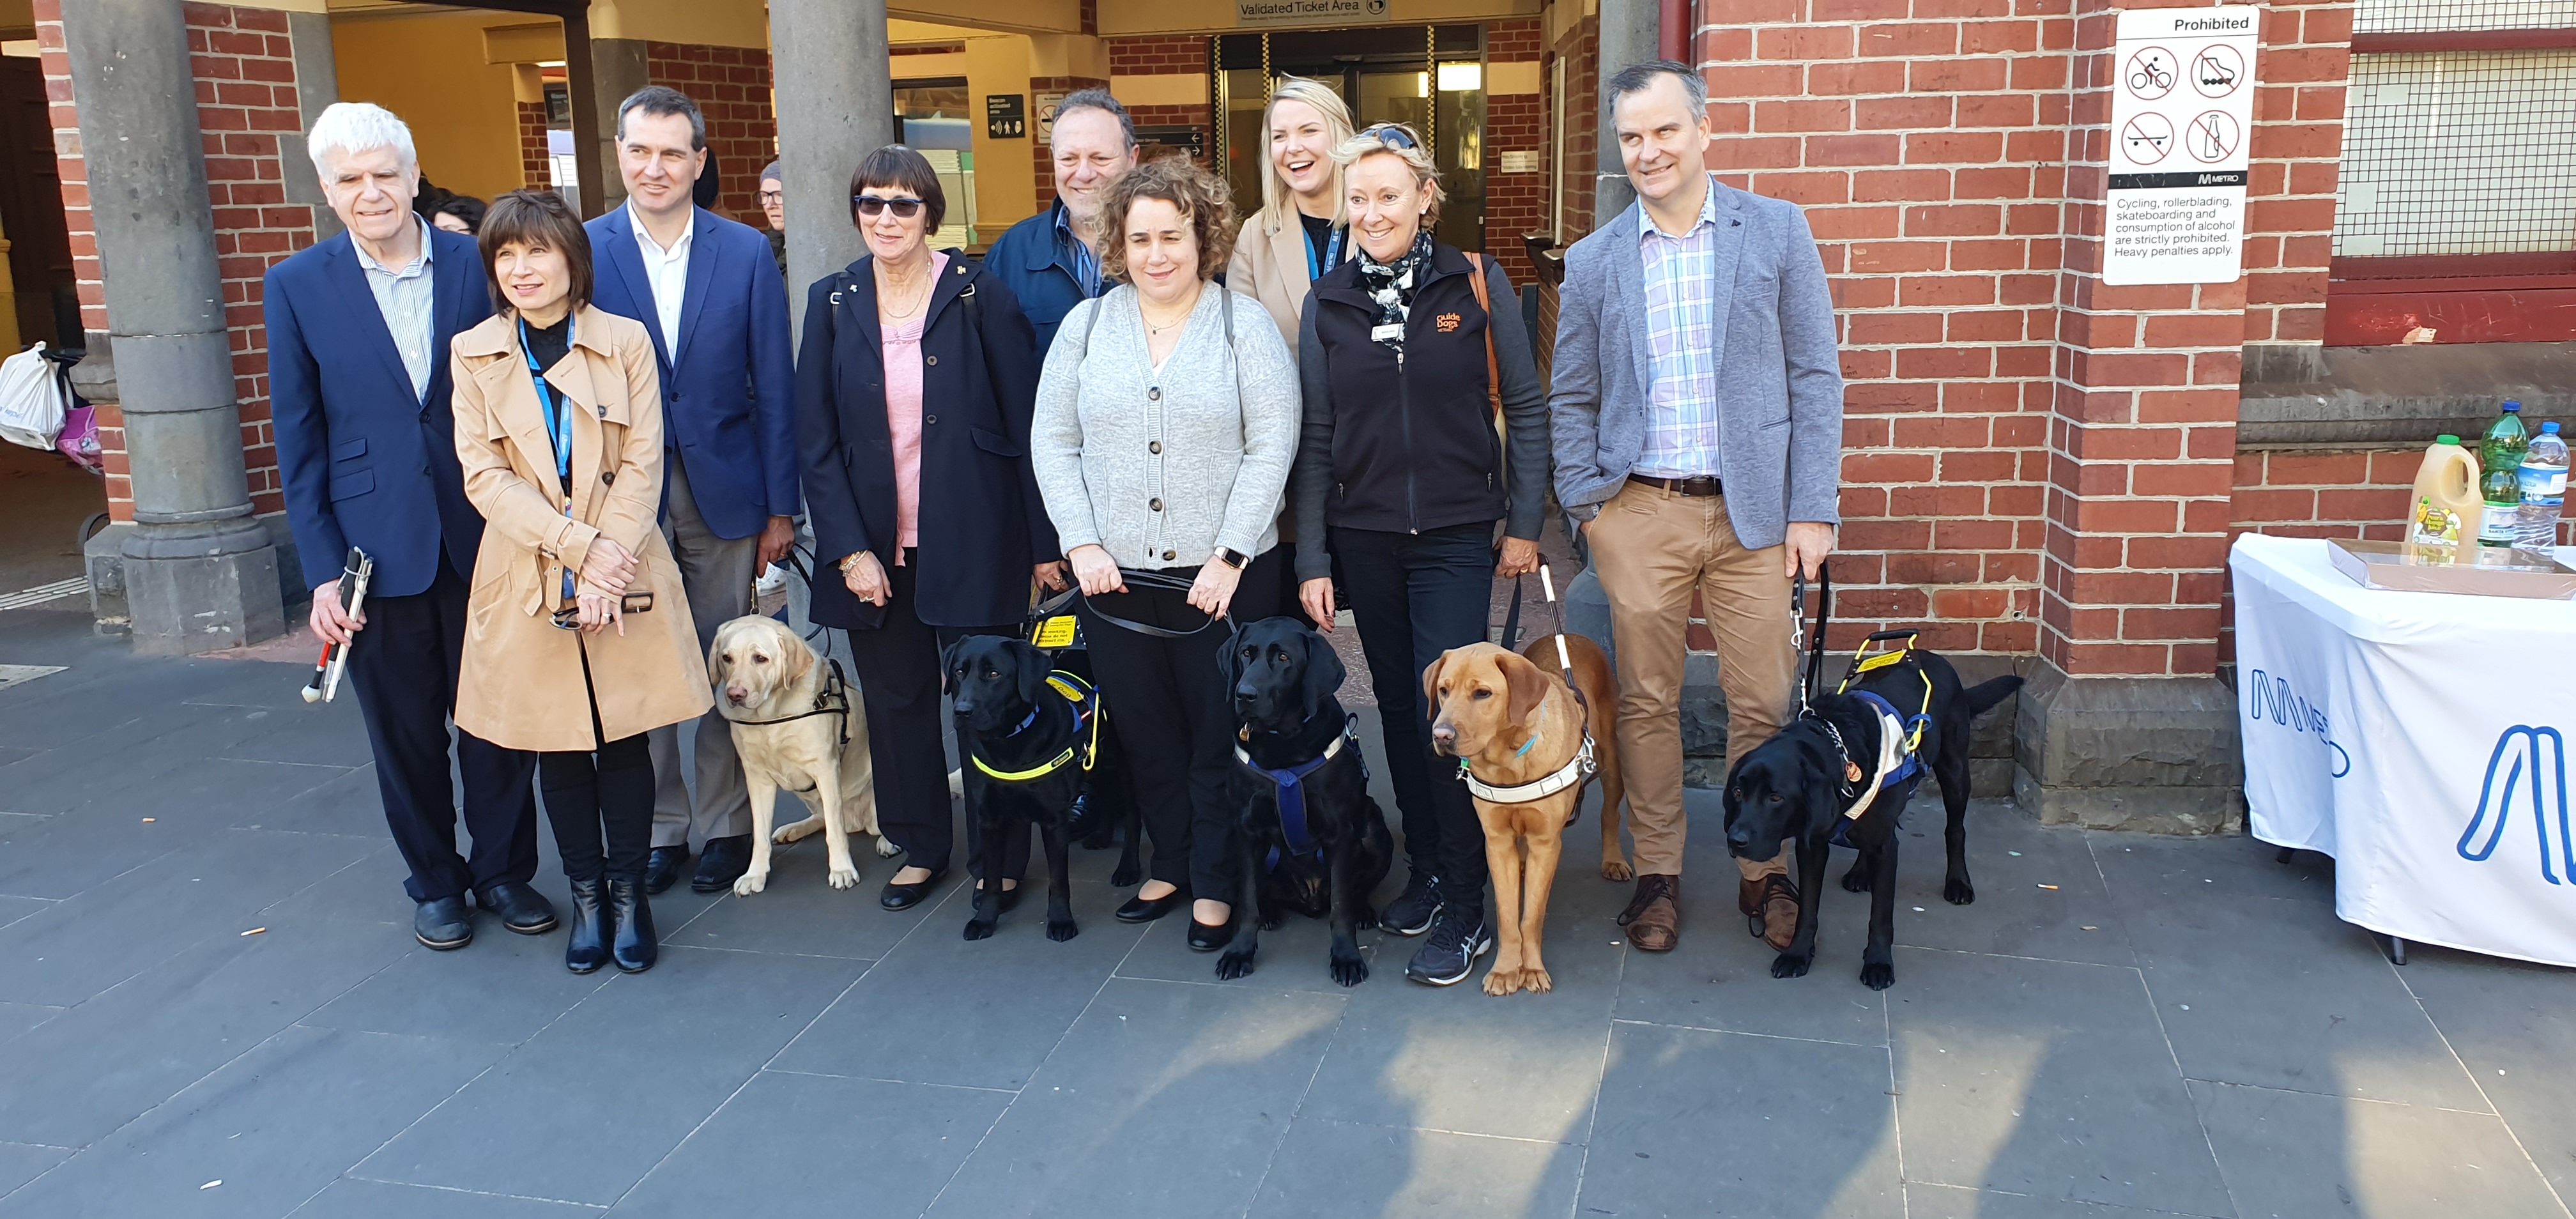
point(1547, 584)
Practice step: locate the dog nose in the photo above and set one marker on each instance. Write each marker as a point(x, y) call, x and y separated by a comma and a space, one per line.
point(736, 695)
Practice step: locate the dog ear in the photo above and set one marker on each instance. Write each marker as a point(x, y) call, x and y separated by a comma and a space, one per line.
point(799, 657)
point(1324, 673)
point(1031, 666)
point(948, 667)
point(1431, 686)
point(1528, 685)
point(715, 658)
point(1229, 663)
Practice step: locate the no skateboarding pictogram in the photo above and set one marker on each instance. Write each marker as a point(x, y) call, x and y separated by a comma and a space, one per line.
point(2147, 138)
point(2213, 137)
point(2151, 73)
point(2217, 70)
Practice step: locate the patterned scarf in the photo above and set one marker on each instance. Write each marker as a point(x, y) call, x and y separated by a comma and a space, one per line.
point(1391, 284)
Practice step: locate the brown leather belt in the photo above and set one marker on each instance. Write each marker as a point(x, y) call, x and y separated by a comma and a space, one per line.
point(1697, 484)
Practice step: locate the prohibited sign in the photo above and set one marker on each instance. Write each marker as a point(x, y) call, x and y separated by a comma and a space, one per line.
point(2217, 70)
point(2213, 137)
point(2145, 139)
point(2151, 73)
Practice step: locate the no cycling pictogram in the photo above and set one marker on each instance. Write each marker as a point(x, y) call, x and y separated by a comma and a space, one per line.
point(2213, 137)
point(2217, 70)
point(2151, 73)
point(2147, 138)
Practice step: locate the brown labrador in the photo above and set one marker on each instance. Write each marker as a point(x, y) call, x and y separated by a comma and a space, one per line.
point(1515, 723)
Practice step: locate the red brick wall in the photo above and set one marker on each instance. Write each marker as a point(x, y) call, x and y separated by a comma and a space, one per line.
point(731, 87)
point(2300, 70)
point(1042, 156)
point(536, 164)
point(1515, 122)
point(1167, 55)
point(245, 76)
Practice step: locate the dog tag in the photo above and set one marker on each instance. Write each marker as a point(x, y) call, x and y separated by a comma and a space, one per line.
point(1851, 772)
point(1056, 632)
point(1380, 334)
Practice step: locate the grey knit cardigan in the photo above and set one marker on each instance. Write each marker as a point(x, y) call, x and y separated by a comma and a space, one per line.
point(1161, 467)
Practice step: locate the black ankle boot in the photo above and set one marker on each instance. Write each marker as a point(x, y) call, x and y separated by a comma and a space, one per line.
point(588, 948)
point(635, 947)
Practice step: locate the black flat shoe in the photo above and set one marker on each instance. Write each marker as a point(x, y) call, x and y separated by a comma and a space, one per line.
point(663, 870)
point(722, 862)
point(446, 924)
point(1204, 938)
point(522, 908)
point(635, 947)
point(1146, 910)
point(586, 949)
point(905, 897)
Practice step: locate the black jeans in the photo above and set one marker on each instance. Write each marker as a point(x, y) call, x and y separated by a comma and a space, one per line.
point(609, 789)
point(1415, 596)
point(898, 676)
point(1177, 724)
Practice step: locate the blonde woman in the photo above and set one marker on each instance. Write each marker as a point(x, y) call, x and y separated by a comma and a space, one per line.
point(1302, 230)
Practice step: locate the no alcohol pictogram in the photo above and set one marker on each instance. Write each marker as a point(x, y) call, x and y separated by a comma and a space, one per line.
point(2147, 138)
point(2213, 137)
point(2217, 70)
point(2151, 73)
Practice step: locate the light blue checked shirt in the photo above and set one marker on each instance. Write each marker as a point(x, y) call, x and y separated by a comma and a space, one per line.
point(1681, 335)
point(408, 299)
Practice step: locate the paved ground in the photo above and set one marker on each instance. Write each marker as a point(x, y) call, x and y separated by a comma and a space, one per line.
point(2119, 1026)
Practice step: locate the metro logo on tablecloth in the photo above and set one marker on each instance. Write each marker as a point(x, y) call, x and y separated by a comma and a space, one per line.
point(2270, 698)
point(2525, 759)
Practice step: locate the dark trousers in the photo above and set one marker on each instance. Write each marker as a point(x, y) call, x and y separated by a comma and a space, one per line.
point(403, 667)
point(604, 791)
point(898, 676)
point(1168, 698)
point(1413, 597)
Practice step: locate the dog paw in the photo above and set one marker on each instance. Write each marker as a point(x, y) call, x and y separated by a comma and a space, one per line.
point(749, 883)
point(1061, 930)
point(1617, 869)
point(1127, 874)
point(1537, 981)
point(794, 832)
point(1272, 920)
point(1234, 965)
point(1878, 977)
point(843, 878)
point(886, 849)
point(1856, 880)
point(1365, 920)
point(1792, 964)
point(1958, 892)
point(979, 929)
point(1500, 982)
point(1350, 970)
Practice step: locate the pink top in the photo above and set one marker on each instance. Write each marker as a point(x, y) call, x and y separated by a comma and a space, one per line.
point(903, 414)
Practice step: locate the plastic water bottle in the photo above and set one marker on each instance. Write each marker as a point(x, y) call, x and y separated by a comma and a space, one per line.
point(2500, 456)
point(2544, 489)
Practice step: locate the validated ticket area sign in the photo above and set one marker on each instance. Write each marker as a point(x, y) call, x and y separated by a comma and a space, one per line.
point(2182, 109)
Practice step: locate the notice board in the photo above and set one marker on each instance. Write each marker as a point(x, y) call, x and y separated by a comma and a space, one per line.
point(2182, 114)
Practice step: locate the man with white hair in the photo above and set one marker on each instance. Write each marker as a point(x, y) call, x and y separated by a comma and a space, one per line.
point(358, 331)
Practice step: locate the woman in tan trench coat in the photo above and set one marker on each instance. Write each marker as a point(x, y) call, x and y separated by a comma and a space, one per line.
point(577, 638)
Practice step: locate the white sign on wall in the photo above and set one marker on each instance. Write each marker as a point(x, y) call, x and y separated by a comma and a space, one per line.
point(2182, 113)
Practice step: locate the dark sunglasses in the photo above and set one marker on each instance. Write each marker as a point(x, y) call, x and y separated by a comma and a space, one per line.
point(872, 206)
point(1392, 135)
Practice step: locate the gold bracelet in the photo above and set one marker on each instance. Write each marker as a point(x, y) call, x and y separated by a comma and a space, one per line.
point(850, 560)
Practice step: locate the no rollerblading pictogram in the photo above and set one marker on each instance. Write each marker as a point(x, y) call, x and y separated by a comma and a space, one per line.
point(2217, 70)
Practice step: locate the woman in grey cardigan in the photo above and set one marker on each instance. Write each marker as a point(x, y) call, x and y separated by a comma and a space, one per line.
point(1166, 421)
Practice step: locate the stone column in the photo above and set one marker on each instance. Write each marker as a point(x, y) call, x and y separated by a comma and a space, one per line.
point(1629, 31)
point(317, 86)
point(828, 62)
point(200, 573)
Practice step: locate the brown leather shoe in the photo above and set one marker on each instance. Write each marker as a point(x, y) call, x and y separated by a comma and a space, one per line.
point(1748, 897)
point(1654, 916)
point(1779, 912)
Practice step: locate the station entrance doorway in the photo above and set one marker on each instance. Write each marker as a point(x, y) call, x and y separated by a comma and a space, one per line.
point(1429, 78)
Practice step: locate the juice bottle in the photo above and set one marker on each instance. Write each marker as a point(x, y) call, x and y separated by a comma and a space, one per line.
point(2448, 506)
point(2499, 481)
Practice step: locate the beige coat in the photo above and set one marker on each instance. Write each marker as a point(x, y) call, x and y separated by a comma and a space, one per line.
point(1269, 265)
point(521, 685)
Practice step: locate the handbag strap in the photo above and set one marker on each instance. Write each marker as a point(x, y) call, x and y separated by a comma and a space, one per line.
point(1484, 301)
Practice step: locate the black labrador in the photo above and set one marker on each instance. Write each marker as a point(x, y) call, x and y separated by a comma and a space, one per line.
point(1025, 738)
point(1312, 839)
point(1800, 784)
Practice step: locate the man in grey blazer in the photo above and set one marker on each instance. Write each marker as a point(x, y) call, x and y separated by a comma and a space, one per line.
point(1698, 417)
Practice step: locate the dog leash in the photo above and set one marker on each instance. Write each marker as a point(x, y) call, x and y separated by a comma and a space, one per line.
point(832, 699)
point(1799, 639)
point(1148, 579)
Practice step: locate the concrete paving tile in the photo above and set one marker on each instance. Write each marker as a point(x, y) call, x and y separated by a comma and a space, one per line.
point(449, 994)
point(23, 1162)
point(84, 1073)
point(83, 945)
point(2294, 1155)
point(351, 1198)
point(16, 1018)
point(939, 1009)
point(1166, 1099)
point(2515, 1026)
point(801, 912)
point(275, 1126)
point(820, 1146)
point(1332, 1170)
point(2013, 915)
point(55, 857)
point(649, 1057)
point(13, 909)
point(99, 831)
point(1951, 1202)
point(322, 735)
point(348, 802)
point(2043, 1078)
point(2274, 991)
point(1689, 1126)
point(11, 755)
point(1720, 976)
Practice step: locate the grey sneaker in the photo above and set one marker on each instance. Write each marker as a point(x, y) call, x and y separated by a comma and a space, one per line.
point(1410, 913)
point(1459, 935)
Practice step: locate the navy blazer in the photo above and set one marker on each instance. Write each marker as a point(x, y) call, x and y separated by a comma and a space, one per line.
point(1036, 259)
point(729, 392)
point(982, 525)
point(363, 462)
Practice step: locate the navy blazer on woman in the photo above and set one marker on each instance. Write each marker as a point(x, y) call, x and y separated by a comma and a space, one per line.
point(728, 392)
point(982, 526)
point(363, 461)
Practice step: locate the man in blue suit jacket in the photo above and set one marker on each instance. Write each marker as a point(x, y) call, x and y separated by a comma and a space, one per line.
point(1052, 260)
point(709, 292)
point(358, 328)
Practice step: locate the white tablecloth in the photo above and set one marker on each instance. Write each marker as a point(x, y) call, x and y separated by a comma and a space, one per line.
point(2420, 739)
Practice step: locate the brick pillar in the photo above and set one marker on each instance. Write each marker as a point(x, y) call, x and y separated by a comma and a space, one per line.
point(1162, 79)
point(1515, 121)
point(731, 87)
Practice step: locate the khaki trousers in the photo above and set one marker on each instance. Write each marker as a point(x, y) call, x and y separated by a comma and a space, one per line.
point(1651, 548)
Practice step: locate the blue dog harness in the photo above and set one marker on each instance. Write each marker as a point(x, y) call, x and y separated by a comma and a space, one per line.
point(1897, 768)
point(1290, 786)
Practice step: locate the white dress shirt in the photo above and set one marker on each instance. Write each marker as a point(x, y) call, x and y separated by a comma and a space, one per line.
point(408, 298)
point(668, 270)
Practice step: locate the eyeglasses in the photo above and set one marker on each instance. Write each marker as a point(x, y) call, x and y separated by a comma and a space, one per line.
point(871, 206)
point(1393, 135)
point(768, 197)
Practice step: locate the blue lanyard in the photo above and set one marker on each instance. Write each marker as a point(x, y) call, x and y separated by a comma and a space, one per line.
point(558, 427)
point(1332, 255)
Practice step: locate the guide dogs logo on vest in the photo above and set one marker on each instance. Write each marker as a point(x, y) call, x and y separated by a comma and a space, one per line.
point(2270, 697)
point(2528, 767)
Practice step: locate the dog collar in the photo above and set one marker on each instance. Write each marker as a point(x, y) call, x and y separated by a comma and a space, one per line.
point(1077, 694)
point(1574, 772)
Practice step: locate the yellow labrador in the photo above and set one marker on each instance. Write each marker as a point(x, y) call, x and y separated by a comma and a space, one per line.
point(766, 682)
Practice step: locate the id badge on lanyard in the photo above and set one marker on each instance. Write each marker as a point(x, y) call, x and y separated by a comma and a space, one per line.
point(1332, 256)
point(558, 430)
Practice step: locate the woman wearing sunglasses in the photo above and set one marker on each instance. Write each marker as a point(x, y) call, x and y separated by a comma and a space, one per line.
point(913, 389)
point(577, 637)
point(1400, 481)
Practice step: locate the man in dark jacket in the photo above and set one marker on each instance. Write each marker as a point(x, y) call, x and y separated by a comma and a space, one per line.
point(1051, 261)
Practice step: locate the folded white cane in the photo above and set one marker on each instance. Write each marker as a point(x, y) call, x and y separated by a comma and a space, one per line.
point(1547, 584)
point(354, 576)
